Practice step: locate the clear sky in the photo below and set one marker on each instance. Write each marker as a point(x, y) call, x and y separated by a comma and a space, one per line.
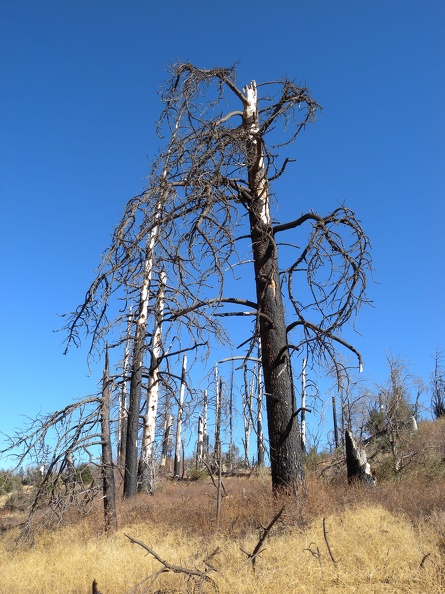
point(78, 102)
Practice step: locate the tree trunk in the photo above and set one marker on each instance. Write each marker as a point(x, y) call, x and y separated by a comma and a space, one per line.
point(70, 476)
point(177, 464)
point(284, 434)
point(166, 439)
point(146, 478)
point(200, 447)
point(131, 449)
point(131, 455)
point(108, 487)
point(260, 439)
point(334, 417)
point(303, 406)
point(123, 404)
point(204, 427)
point(217, 448)
point(356, 462)
point(230, 456)
point(247, 416)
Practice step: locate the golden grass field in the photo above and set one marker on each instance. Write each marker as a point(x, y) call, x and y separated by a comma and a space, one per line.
point(389, 539)
point(381, 540)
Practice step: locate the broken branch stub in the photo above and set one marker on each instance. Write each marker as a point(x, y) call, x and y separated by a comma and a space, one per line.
point(357, 463)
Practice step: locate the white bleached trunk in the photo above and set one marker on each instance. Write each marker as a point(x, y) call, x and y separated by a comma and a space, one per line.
point(149, 428)
point(131, 454)
point(251, 118)
point(200, 448)
point(153, 387)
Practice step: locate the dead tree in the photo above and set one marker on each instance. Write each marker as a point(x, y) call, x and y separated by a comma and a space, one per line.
point(356, 461)
point(303, 406)
point(230, 460)
point(200, 444)
point(223, 154)
point(123, 400)
point(166, 438)
point(334, 419)
point(55, 442)
point(259, 427)
point(247, 414)
point(391, 419)
point(217, 450)
point(131, 449)
point(178, 437)
point(107, 466)
point(146, 479)
point(60, 439)
point(437, 386)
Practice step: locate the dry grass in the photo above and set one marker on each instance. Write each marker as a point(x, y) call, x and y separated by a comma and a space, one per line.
point(388, 539)
point(379, 539)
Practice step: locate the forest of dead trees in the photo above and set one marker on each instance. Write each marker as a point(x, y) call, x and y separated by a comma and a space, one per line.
point(199, 266)
point(74, 455)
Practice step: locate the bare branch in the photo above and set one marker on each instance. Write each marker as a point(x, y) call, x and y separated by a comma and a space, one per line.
point(325, 534)
point(209, 186)
point(195, 573)
point(258, 547)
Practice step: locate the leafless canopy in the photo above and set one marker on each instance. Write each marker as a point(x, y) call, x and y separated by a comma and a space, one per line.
point(197, 199)
point(55, 442)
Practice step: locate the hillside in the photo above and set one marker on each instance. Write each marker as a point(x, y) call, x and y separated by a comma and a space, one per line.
point(335, 538)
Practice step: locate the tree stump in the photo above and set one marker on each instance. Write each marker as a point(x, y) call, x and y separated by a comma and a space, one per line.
point(357, 462)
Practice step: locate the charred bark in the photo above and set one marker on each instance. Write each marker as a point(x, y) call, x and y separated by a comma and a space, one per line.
point(123, 404)
point(210, 174)
point(166, 439)
point(177, 461)
point(284, 434)
point(357, 463)
point(131, 448)
point(108, 485)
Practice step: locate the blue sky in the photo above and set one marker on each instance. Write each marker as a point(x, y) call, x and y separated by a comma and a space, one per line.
point(78, 102)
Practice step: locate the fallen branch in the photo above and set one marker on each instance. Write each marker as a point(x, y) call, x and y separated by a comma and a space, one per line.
point(209, 557)
point(424, 558)
point(315, 553)
point(193, 573)
point(257, 550)
point(325, 533)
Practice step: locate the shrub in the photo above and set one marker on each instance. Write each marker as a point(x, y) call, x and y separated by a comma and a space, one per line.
point(84, 474)
point(196, 474)
point(9, 481)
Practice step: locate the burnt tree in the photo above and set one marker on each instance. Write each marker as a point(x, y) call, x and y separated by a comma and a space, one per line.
point(107, 466)
point(208, 190)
